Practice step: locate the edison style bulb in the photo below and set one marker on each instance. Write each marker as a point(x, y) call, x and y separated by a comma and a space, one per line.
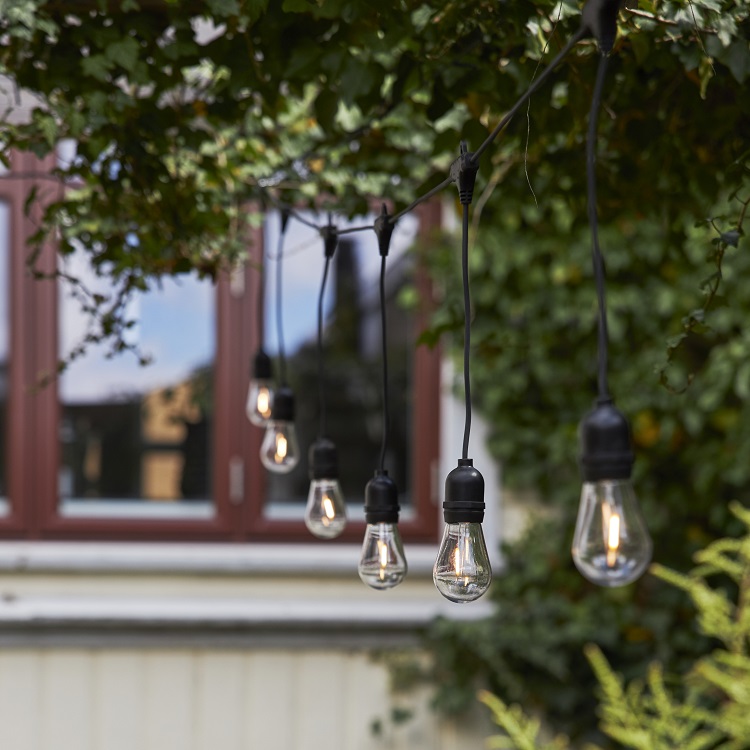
point(325, 514)
point(259, 402)
point(611, 545)
point(382, 564)
point(279, 451)
point(260, 393)
point(462, 571)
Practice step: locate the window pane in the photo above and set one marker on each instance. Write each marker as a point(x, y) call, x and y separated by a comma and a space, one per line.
point(136, 441)
point(352, 356)
point(4, 353)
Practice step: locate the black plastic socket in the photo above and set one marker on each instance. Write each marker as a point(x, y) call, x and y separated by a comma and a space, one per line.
point(464, 494)
point(384, 227)
point(330, 235)
point(285, 213)
point(261, 368)
point(600, 20)
point(464, 174)
point(606, 445)
point(282, 409)
point(323, 460)
point(381, 499)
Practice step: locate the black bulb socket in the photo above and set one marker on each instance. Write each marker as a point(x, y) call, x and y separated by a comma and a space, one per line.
point(464, 173)
point(605, 443)
point(330, 236)
point(282, 409)
point(464, 494)
point(381, 499)
point(323, 460)
point(261, 366)
point(599, 18)
point(384, 227)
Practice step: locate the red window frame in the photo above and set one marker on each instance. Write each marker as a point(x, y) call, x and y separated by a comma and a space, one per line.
point(34, 413)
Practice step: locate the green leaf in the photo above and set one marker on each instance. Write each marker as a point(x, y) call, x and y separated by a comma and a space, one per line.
point(124, 53)
point(97, 66)
point(326, 106)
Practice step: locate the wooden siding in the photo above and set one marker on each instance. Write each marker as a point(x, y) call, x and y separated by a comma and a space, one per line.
point(159, 699)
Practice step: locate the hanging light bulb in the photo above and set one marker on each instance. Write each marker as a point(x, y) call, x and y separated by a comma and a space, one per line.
point(382, 564)
point(611, 544)
point(279, 451)
point(462, 571)
point(260, 392)
point(325, 513)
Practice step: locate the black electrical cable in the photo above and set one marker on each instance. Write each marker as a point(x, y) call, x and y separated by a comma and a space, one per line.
point(352, 230)
point(321, 380)
point(596, 253)
point(467, 326)
point(582, 31)
point(422, 198)
point(279, 323)
point(261, 300)
point(386, 410)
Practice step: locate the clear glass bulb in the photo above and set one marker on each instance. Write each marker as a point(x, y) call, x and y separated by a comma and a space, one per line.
point(462, 571)
point(259, 402)
point(325, 513)
point(382, 564)
point(279, 451)
point(611, 545)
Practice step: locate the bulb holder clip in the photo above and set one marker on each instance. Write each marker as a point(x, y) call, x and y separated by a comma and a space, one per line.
point(323, 460)
point(381, 499)
point(330, 235)
point(605, 444)
point(282, 409)
point(464, 173)
point(464, 494)
point(261, 368)
point(599, 18)
point(384, 227)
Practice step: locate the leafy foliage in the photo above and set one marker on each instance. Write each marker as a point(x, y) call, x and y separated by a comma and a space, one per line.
point(709, 707)
point(186, 114)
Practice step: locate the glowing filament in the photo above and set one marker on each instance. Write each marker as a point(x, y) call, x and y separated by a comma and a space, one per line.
point(263, 403)
point(281, 448)
point(328, 509)
point(383, 551)
point(613, 539)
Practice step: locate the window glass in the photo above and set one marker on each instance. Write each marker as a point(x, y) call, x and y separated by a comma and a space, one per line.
point(352, 356)
point(137, 441)
point(4, 353)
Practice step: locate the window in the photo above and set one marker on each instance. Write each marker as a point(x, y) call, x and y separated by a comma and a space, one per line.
point(116, 451)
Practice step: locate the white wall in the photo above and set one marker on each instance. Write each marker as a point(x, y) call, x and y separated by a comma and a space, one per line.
point(202, 699)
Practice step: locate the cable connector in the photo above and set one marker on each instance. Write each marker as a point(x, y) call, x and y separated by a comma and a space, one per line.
point(285, 213)
point(330, 235)
point(384, 226)
point(600, 20)
point(464, 174)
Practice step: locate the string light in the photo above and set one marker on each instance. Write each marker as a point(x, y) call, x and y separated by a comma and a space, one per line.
point(611, 544)
point(382, 563)
point(325, 512)
point(279, 451)
point(462, 571)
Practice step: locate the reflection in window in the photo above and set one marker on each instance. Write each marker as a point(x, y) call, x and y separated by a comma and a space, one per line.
point(136, 441)
point(352, 341)
point(4, 353)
